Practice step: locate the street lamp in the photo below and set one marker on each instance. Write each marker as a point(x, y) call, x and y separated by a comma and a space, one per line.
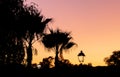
point(81, 56)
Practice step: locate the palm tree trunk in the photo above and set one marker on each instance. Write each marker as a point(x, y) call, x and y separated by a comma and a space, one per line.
point(56, 58)
point(29, 54)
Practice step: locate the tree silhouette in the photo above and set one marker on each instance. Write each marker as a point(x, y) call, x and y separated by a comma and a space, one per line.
point(36, 25)
point(11, 47)
point(57, 40)
point(47, 62)
point(65, 63)
point(21, 23)
point(114, 59)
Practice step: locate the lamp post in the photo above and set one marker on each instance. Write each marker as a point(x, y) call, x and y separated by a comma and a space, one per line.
point(81, 56)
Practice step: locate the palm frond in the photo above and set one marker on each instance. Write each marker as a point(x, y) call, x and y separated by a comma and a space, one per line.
point(69, 45)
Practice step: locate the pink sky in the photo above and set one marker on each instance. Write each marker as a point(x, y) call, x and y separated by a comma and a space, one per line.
point(95, 27)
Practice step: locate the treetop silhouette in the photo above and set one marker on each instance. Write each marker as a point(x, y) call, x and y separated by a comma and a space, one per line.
point(114, 59)
point(20, 22)
point(59, 41)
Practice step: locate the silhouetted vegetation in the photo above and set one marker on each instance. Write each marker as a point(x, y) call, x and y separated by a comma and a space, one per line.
point(21, 26)
point(47, 62)
point(114, 59)
point(59, 41)
point(11, 45)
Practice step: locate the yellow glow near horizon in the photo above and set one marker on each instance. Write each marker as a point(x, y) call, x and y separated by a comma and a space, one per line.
point(94, 25)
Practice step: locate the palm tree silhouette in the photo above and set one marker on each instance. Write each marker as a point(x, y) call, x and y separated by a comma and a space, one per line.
point(57, 40)
point(34, 26)
point(24, 22)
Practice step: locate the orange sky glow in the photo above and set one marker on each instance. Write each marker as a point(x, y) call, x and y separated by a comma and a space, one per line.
point(95, 27)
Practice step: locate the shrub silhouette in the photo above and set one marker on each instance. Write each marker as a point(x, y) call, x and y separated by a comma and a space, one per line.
point(114, 59)
point(47, 62)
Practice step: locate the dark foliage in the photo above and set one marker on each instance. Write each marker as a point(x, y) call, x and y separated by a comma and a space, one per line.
point(19, 23)
point(114, 59)
point(11, 46)
point(59, 41)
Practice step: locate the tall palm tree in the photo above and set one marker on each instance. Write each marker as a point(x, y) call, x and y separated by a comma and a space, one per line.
point(59, 41)
point(34, 25)
point(25, 22)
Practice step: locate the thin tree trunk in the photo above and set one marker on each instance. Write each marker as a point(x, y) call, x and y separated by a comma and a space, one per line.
point(56, 58)
point(29, 54)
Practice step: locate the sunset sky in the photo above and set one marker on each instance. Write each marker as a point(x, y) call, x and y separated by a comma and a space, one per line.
point(95, 27)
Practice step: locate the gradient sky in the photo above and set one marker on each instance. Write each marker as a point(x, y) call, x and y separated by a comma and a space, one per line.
point(95, 27)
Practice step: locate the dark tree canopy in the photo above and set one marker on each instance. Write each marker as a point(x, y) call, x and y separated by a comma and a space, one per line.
point(59, 41)
point(57, 37)
point(114, 59)
point(19, 23)
point(47, 62)
point(11, 47)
